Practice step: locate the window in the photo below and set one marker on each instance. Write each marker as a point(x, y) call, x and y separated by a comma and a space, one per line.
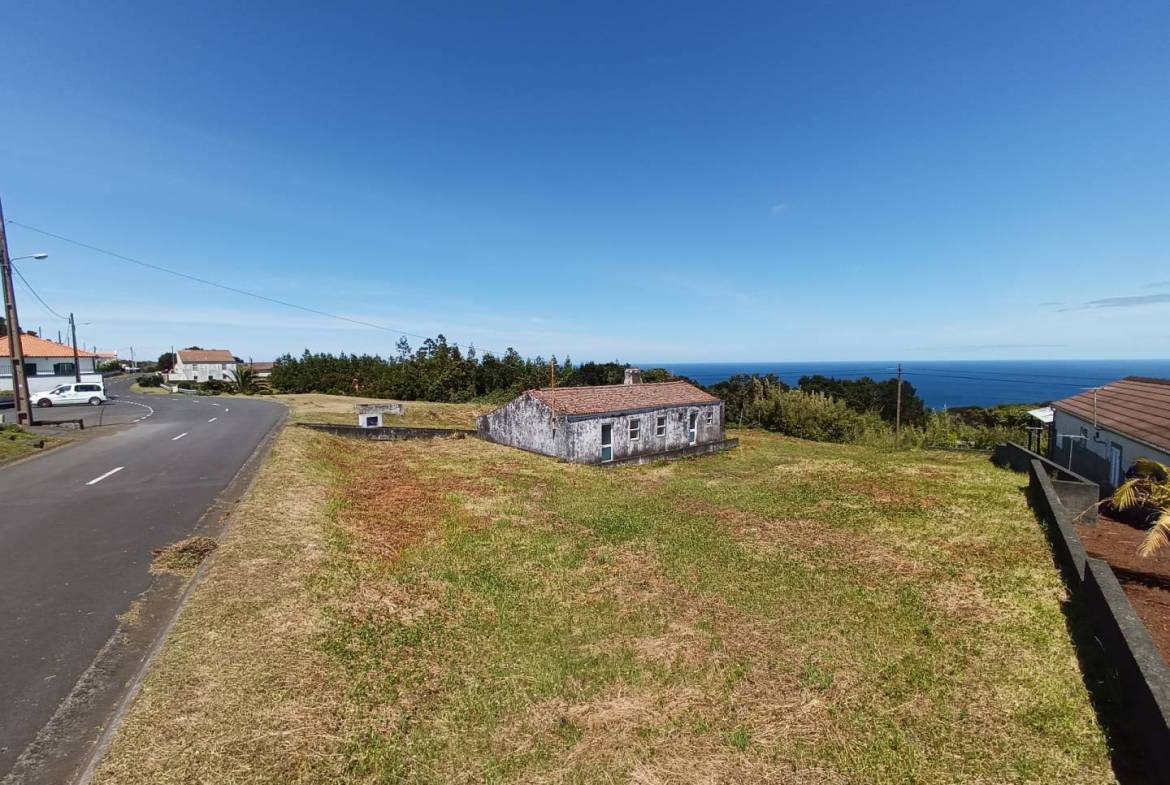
point(63, 369)
point(692, 429)
point(372, 421)
point(660, 425)
point(635, 428)
point(710, 416)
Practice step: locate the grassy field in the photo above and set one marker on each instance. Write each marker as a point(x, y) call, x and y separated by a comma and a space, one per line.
point(16, 443)
point(316, 407)
point(456, 611)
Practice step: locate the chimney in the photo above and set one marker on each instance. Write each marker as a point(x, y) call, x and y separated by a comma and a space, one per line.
point(633, 376)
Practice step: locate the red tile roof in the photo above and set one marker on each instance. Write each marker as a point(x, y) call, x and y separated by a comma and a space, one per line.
point(622, 397)
point(206, 356)
point(1135, 406)
point(32, 346)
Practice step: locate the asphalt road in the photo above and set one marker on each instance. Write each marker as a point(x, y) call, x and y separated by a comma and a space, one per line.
point(77, 528)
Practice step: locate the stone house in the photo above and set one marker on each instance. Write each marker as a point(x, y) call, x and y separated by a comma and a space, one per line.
point(1100, 433)
point(618, 423)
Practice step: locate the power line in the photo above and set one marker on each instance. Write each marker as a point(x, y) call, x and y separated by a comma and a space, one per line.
point(1017, 375)
point(1031, 383)
point(34, 294)
point(225, 287)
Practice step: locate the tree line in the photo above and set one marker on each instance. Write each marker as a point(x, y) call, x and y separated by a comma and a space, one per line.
point(438, 371)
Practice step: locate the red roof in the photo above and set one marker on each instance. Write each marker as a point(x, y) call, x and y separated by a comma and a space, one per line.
point(1135, 406)
point(32, 346)
point(206, 356)
point(608, 398)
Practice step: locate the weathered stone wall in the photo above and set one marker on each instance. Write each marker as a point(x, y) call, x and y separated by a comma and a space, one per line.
point(526, 423)
point(585, 441)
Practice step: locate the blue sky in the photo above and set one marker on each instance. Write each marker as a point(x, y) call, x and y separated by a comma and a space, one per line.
point(660, 181)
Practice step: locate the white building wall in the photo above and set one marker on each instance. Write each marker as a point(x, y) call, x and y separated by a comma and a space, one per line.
point(1097, 442)
point(201, 372)
point(46, 378)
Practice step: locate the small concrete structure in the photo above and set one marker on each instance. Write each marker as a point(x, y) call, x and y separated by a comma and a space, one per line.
point(611, 424)
point(369, 415)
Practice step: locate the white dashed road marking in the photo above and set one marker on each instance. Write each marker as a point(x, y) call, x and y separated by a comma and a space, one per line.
point(180, 436)
point(149, 409)
point(96, 480)
point(213, 419)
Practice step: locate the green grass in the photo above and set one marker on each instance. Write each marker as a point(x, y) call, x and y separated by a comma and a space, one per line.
point(15, 443)
point(786, 611)
point(138, 388)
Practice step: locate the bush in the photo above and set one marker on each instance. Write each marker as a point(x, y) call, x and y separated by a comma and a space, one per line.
point(150, 380)
point(813, 416)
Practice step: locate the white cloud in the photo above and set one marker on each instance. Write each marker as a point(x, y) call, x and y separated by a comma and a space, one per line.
point(779, 208)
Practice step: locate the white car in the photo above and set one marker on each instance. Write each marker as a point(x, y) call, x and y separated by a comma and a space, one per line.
point(66, 394)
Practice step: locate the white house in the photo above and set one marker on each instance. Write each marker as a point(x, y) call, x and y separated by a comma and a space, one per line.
point(201, 365)
point(46, 364)
point(1101, 432)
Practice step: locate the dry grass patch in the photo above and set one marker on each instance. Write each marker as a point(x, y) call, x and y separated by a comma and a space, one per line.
point(785, 612)
point(319, 407)
point(240, 693)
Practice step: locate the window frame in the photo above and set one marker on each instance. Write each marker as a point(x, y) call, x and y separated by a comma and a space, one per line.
point(634, 428)
point(709, 417)
point(660, 425)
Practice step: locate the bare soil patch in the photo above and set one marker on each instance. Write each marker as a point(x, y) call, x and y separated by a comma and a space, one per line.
point(1146, 580)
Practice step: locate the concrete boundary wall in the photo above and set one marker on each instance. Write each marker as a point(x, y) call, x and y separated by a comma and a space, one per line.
point(1142, 675)
point(387, 433)
point(1078, 494)
point(1141, 672)
point(1066, 545)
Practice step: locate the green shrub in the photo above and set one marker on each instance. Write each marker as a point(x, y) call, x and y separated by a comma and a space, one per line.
point(150, 380)
point(813, 416)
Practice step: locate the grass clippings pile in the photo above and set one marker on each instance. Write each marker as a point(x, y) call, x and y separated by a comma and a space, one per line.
point(785, 612)
point(183, 556)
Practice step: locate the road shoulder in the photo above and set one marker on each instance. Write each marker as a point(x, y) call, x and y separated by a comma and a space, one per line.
point(66, 749)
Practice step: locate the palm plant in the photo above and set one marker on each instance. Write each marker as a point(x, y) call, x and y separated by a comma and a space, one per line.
point(1148, 488)
point(244, 379)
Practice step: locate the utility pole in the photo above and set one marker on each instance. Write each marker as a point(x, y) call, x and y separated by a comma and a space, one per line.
point(20, 396)
point(76, 359)
point(898, 411)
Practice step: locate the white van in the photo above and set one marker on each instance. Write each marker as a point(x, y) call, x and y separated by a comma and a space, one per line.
point(66, 394)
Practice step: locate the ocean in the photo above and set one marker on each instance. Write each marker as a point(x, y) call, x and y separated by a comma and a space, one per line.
point(948, 383)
